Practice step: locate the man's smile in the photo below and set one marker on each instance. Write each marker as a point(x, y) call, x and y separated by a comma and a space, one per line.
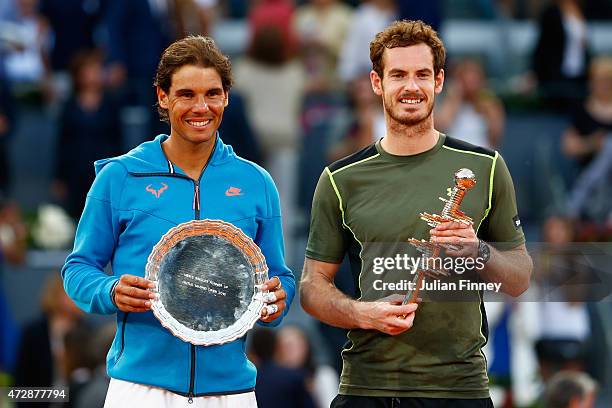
point(199, 123)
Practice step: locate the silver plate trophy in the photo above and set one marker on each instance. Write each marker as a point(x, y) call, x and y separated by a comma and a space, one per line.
point(208, 274)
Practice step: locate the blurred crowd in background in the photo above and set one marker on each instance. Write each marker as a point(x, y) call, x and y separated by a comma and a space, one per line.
point(530, 78)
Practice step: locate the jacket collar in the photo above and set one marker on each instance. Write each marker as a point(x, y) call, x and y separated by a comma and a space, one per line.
point(149, 157)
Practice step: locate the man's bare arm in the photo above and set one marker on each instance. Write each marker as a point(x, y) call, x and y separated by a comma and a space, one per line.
point(511, 268)
point(320, 298)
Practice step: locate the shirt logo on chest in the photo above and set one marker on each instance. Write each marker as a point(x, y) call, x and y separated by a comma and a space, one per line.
point(157, 192)
point(233, 191)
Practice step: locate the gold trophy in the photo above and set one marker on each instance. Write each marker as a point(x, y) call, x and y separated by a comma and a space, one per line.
point(464, 180)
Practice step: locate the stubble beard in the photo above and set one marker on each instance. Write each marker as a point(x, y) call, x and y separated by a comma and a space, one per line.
point(408, 120)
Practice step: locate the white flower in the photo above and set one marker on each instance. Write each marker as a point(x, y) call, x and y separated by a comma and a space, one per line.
point(54, 228)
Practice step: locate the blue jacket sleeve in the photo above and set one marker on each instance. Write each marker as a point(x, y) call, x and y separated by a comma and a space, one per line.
point(270, 239)
point(84, 278)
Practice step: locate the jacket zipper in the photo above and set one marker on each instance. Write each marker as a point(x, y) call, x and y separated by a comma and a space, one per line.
point(196, 199)
point(191, 394)
point(196, 209)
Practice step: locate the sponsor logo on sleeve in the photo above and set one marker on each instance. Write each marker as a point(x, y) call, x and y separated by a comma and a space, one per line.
point(517, 221)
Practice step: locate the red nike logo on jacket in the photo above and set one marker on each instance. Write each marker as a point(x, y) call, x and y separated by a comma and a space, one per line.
point(233, 191)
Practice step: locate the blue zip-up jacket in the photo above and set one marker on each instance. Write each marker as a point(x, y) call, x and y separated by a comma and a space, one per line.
point(135, 199)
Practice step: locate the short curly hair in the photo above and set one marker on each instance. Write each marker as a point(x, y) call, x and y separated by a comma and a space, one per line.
point(192, 50)
point(403, 34)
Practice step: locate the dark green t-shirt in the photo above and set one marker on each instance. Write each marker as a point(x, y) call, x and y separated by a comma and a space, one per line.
point(367, 206)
